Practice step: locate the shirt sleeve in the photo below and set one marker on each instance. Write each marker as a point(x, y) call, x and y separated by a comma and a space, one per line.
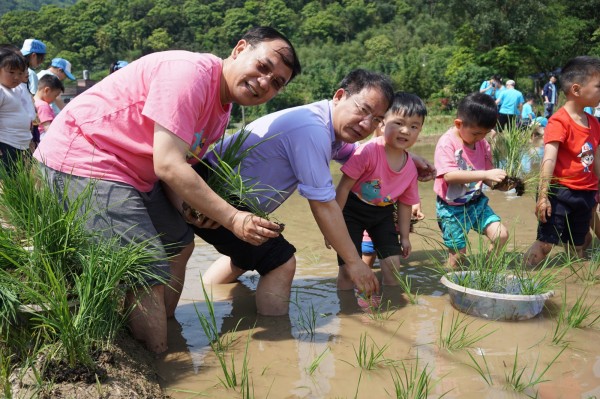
point(554, 131)
point(359, 162)
point(309, 155)
point(45, 113)
point(444, 157)
point(177, 95)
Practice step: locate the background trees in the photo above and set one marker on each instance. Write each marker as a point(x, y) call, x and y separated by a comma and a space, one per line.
point(437, 49)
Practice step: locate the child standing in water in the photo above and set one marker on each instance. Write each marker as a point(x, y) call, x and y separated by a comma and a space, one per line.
point(569, 171)
point(379, 175)
point(463, 161)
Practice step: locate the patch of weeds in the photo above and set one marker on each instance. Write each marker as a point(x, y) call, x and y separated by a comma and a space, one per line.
point(457, 335)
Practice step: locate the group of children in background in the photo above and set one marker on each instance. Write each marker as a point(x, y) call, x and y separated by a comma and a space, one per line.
point(381, 174)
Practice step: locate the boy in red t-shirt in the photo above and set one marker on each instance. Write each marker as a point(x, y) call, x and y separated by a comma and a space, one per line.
point(569, 175)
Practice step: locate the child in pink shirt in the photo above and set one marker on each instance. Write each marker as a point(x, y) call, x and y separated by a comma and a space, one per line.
point(463, 161)
point(49, 87)
point(378, 175)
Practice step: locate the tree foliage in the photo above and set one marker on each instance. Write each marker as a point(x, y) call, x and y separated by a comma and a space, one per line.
point(434, 48)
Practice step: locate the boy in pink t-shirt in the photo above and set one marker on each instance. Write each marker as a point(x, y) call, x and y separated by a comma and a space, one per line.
point(378, 175)
point(463, 161)
point(49, 87)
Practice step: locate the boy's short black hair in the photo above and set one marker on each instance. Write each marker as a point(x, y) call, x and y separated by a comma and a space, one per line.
point(407, 104)
point(578, 70)
point(360, 79)
point(478, 109)
point(51, 82)
point(529, 96)
point(261, 34)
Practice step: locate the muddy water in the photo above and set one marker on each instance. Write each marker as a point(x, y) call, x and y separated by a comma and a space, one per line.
point(279, 351)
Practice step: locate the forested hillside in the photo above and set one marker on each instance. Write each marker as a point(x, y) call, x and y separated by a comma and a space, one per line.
point(439, 49)
point(32, 5)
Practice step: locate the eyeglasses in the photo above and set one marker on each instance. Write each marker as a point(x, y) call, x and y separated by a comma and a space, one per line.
point(366, 114)
point(276, 82)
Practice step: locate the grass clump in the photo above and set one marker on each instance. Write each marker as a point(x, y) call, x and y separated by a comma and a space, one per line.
point(410, 383)
point(517, 381)
point(61, 289)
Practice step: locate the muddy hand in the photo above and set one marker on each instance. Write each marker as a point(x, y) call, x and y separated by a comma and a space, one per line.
point(495, 175)
point(425, 169)
point(363, 278)
point(543, 209)
point(253, 229)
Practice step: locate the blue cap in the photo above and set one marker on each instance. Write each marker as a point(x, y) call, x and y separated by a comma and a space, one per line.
point(64, 65)
point(31, 46)
point(120, 64)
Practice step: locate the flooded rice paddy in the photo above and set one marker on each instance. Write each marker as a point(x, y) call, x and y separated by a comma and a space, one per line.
point(314, 352)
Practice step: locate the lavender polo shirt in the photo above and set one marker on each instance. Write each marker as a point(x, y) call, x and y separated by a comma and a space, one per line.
point(299, 145)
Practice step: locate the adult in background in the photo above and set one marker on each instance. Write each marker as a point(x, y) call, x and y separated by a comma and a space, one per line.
point(299, 145)
point(115, 66)
point(141, 125)
point(60, 68)
point(34, 52)
point(510, 102)
point(550, 96)
point(490, 86)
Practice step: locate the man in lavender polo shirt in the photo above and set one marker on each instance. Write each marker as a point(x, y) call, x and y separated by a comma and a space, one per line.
point(301, 142)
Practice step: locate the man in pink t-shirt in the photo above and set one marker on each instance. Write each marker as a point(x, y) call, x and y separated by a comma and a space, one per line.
point(149, 122)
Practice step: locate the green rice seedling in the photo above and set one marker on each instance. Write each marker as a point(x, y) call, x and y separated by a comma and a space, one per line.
point(314, 365)
point(210, 326)
point(583, 314)
point(246, 385)
point(410, 383)
point(381, 311)
point(588, 271)
point(515, 378)
point(307, 317)
point(406, 284)
point(226, 181)
point(369, 357)
point(457, 335)
point(484, 373)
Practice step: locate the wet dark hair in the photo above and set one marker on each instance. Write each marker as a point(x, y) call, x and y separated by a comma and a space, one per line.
point(9, 58)
point(360, 79)
point(51, 82)
point(260, 34)
point(478, 109)
point(578, 70)
point(407, 104)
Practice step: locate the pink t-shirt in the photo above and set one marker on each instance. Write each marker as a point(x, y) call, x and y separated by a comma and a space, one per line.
point(376, 183)
point(107, 132)
point(44, 113)
point(450, 155)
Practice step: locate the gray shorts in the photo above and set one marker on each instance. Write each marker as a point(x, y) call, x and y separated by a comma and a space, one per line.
point(118, 209)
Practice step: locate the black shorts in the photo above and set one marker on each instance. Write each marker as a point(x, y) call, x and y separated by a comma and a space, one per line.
point(263, 258)
point(571, 215)
point(379, 223)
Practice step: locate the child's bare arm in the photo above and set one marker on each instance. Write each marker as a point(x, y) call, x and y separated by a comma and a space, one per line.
point(404, 217)
point(597, 163)
point(489, 177)
point(343, 189)
point(543, 209)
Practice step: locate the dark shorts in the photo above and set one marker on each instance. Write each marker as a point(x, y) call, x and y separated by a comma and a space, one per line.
point(571, 215)
point(379, 223)
point(9, 156)
point(263, 258)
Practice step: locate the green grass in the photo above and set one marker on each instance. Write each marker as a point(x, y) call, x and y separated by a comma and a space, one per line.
point(410, 383)
point(405, 283)
point(370, 356)
point(436, 125)
point(314, 365)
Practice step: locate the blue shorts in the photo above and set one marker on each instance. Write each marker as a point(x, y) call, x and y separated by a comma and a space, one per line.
point(456, 221)
point(570, 218)
point(367, 248)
